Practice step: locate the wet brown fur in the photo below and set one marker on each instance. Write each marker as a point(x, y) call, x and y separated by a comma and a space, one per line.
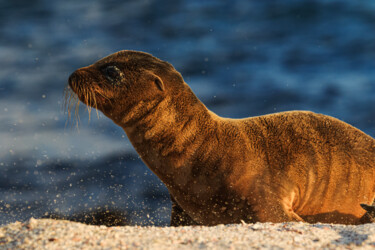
point(290, 166)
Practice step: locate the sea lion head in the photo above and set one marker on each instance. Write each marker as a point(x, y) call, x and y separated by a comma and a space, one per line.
point(122, 80)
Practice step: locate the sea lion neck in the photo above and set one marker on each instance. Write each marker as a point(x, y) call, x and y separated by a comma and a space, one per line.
point(169, 130)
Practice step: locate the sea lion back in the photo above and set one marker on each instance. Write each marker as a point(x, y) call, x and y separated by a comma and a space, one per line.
point(326, 163)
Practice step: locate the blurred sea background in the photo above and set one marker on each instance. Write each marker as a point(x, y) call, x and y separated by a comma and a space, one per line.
point(241, 58)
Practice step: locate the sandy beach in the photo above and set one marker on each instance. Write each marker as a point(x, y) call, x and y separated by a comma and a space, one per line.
point(60, 234)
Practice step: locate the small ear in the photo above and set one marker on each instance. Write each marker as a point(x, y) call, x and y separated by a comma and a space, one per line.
point(159, 83)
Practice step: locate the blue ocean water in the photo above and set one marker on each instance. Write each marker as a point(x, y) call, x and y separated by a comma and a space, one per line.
point(241, 58)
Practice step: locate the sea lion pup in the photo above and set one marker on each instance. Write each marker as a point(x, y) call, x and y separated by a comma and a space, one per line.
point(290, 166)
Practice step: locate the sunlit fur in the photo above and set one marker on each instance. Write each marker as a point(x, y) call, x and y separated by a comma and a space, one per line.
point(289, 166)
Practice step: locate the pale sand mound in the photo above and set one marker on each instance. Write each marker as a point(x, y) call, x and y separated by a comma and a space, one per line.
point(59, 234)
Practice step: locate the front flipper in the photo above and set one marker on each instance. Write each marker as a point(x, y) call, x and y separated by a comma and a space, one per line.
point(179, 217)
point(369, 216)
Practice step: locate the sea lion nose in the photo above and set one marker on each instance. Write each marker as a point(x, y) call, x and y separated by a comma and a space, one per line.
point(74, 78)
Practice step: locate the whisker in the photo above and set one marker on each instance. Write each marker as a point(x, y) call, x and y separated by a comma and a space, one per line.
point(70, 99)
point(96, 106)
point(72, 102)
point(76, 112)
point(89, 100)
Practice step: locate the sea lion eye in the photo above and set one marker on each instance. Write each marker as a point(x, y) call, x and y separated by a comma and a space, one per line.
point(112, 73)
